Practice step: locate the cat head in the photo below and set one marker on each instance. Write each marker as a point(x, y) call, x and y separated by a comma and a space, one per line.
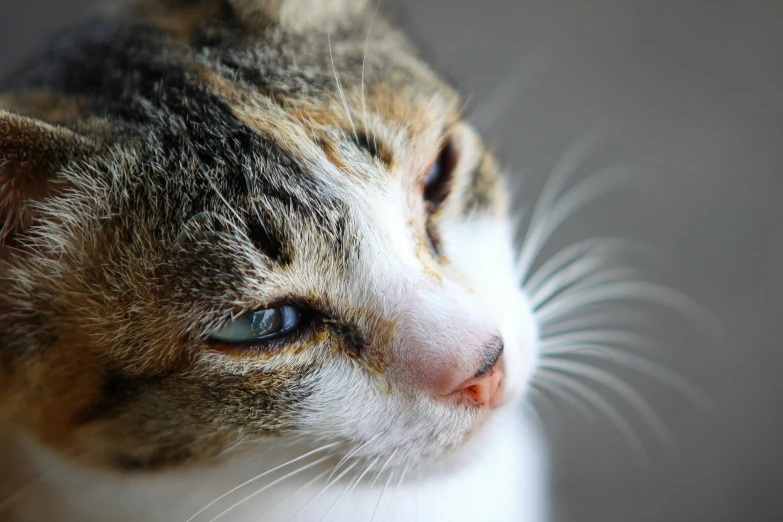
point(232, 221)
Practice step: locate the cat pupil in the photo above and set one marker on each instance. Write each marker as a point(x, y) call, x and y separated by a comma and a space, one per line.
point(437, 184)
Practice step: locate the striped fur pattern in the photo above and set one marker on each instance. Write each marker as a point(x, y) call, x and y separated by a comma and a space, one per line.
point(173, 166)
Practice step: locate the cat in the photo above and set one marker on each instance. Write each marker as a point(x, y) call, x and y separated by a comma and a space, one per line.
point(257, 266)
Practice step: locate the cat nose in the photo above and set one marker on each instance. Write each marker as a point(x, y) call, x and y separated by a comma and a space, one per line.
point(448, 348)
point(482, 388)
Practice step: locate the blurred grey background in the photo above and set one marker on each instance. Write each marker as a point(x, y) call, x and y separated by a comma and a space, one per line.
point(692, 94)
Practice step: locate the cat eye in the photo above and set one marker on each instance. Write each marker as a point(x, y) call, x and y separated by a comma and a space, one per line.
point(439, 176)
point(259, 326)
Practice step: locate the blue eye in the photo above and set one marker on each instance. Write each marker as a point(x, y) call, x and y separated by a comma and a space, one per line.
point(259, 326)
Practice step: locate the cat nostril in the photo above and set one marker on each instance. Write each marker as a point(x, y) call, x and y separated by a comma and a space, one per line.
point(482, 389)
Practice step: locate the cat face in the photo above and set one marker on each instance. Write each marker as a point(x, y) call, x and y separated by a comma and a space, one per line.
point(254, 228)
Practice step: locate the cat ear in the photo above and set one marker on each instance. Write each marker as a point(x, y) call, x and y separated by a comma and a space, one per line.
point(31, 154)
point(299, 15)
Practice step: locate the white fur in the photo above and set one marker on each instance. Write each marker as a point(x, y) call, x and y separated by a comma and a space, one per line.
point(497, 477)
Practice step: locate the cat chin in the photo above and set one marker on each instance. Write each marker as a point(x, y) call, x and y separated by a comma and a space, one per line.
point(498, 475)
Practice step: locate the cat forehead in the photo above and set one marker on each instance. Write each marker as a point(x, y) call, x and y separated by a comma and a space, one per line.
point(328, 89)
point(260, 132)
point(289, 116)
point(352, 83)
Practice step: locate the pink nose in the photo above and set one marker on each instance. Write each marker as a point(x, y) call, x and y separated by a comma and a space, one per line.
point(448, 351)
point(482, 388)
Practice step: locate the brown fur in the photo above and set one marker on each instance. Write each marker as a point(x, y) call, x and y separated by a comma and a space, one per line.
point(194, 110)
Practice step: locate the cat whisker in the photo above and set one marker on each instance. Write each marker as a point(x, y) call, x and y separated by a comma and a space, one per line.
point(602, 405)
point(641, 364)
point(588, 281)
point(573, 270)
point(324, 489)
point(356, 483)
point(566, 325)
point(642, 291)
point(397, 489)
point(340, 90)
point(352, 453)
point(611, 336)
point(292, 495)
point(575, 273)
point(589, 189)
point(565, 167)
point(273, 483)
point(385, 486)
point(261, 475)
point(340, 496)
point(601, 247)
point(235, 446)
point(529, 406)
point(617, 385)
point(564, 394)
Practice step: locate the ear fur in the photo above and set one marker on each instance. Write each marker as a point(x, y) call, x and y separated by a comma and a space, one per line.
point(31, 154)
point(292, 15)
point(299, 15)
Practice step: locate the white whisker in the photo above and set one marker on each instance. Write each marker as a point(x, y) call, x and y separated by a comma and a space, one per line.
point(339, 85)
point(561, 173)
point(647, 367)
point(566, 277)
point(584, 192)
point(338, 501)
point(595, 320)
point(611, 336)
point(588, 282)
point(361, 476)
point(383, 491)
point(565, 395)
point(641, 291)
point(397, 489)
point(531, 412)
point(324, 489)
point(352, 453)
point(602, 405)
point(259, 476)
point(617, 385)
point(601, 247)
point(273, 483)
point(292, 495)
